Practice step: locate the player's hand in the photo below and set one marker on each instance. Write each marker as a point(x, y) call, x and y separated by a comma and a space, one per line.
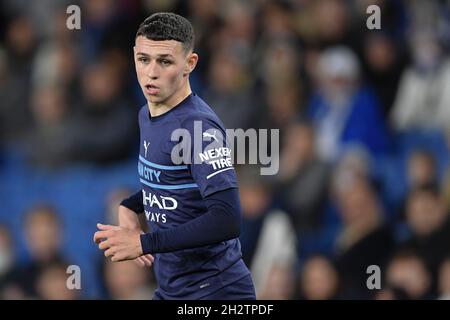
point(144, 261)
point(119, 243)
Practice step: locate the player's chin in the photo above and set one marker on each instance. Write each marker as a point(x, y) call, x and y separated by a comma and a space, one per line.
point(154, 98)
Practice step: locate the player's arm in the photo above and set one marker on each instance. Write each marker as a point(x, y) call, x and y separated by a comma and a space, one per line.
point(221, 222)
point(129, 209)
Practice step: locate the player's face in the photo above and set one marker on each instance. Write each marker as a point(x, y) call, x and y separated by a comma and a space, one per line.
point(162, 68)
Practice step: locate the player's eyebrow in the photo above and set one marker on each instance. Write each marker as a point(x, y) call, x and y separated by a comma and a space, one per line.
point(165, 55)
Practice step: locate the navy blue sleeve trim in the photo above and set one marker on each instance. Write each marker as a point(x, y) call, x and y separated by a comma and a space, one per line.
point(134, 203)
point(221, 222)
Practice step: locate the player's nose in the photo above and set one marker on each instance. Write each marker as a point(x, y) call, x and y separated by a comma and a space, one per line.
point(152, 71)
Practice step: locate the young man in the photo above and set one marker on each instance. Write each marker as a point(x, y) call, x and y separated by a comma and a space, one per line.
point(192, 208)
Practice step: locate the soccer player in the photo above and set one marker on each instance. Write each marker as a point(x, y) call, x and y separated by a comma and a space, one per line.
point(192, 208)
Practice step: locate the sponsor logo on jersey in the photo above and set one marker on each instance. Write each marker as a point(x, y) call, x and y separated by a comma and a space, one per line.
point(154, 200)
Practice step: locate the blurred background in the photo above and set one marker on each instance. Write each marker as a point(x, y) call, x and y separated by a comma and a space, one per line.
point(364, 119)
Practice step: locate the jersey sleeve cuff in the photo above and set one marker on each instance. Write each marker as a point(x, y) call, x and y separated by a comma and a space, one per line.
point(146, 243)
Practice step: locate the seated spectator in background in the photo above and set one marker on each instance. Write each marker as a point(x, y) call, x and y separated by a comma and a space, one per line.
point(325, 22)
point(446, 180)
point(429, 225)
point(43, 235)
point(421, 169)
point(9, 289)
point(56, 65)
point(48, 145)
point(302, 182)
point(230, 90)
point(267, 235)
point(423, 97)
point(99, 129)
point(282, 89)
point(355, 163)
point(364, 239)
point(444, 280)
point(342, 110)
point(127, 281)
point(282, 107)
point(384, 63)
point(51, 283)
point(103, 126)
point(391, 293)
point(15, 63)
point(279, 284)
point(6, 252)
point(408, 273)
point(280, 63)
point(319, 280)
point(256, 203)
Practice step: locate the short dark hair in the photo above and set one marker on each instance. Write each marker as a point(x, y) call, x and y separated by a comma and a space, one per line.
point(168, 26)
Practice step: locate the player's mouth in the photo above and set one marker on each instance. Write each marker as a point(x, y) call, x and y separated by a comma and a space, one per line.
point(151, 89)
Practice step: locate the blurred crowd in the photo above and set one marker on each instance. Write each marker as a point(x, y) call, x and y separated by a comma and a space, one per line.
point(364, 119)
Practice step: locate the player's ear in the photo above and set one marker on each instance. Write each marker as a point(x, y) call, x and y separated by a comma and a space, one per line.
point(191, 62)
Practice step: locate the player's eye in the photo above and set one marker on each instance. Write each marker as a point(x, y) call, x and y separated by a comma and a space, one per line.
point(166, 62)
point(143, 60)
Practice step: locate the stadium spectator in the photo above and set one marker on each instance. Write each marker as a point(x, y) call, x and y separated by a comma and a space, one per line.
point(302, 183)
point(341, 108)
point(429, 225)
point(44, 235)
point(279, 284)
point(421, 169)
point(268, 237)
point(384, 63)
point(422, 99)
point(365, 238)
point(127, 281)
point(9, 289)
point(444, 280)
point(319, 280)
point(19, 45)
point(51, 283)
point(408, 272)
point(93, 131)
point(229, 89)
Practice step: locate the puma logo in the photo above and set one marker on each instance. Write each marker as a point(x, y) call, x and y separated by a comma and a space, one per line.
point(209, 135)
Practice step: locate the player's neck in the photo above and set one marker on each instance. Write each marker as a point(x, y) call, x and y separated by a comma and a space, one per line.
point(157, 109)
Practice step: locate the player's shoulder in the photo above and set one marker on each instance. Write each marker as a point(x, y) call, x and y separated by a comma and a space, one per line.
point(143, 112)
point(198, 110)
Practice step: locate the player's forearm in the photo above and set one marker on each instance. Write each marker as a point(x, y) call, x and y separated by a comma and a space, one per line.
point(128, 218)
point(128, 210)
point(221, 222)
